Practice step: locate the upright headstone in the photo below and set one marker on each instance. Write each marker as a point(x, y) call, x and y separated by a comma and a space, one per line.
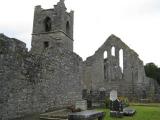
point(89, 100)
point(102, 93)
point(84, 94)
point(144, 96)
point(113, 95)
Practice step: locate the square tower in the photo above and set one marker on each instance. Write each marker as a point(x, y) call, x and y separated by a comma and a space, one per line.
point(52, 26)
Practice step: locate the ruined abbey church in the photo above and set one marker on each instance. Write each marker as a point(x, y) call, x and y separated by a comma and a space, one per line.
point(52, 75)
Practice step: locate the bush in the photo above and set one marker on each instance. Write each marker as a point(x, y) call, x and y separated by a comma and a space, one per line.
point(124, 100)
point(107, 102)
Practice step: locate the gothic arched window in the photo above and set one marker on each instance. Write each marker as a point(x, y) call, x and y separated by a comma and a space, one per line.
point(113, 51)
point(105, 55)
point(47, 24)
point(121, 59)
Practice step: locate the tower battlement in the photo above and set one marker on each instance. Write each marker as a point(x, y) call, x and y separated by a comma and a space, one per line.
point(52, 26)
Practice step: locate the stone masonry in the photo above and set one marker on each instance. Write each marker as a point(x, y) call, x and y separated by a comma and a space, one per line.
point(51, 75)
point(105, 71)
point(35, 83)
point(52, 26)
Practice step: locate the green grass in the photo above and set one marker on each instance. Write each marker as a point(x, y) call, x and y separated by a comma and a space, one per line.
point(146, 104)
point(142, 113)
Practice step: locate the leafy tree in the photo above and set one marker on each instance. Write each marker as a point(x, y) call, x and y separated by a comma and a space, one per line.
point(151, 70)
point(158, 75)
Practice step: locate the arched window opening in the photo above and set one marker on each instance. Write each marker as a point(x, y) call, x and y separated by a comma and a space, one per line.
point(67, 28)
point(105, 55)
point(105, 73)
point(121, 59)
point(47, 24)
point(113, 51)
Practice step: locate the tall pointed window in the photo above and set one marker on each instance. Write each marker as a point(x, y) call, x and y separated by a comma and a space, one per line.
point(47, 24)
point(113, 51)
point(121, 59)
point(105, 55)
point(67, 28)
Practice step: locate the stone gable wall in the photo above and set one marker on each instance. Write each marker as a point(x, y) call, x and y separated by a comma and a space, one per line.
point(107, 73)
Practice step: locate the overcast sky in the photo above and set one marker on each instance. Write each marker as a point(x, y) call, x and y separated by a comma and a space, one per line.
point(136, 22)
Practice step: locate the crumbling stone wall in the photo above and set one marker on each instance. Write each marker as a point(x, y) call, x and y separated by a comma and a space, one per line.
point(100, 72)
point(32, 83)
point(53, 26)
point(51, 74)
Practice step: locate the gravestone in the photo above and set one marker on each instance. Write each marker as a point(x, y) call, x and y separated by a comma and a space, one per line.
point(116, 109)
point(89, 103)
point(102, 93)
point(82, 104)
point(87, 115)
point(129, 111)
point(113, 95)
point(144, 95)
point(89, 100)
point(84, 94)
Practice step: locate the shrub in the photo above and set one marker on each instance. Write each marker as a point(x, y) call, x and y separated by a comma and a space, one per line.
point(124, 100)
point(107, 101)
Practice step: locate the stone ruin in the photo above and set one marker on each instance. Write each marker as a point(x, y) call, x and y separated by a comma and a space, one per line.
point(115, 66)
point(52, 75)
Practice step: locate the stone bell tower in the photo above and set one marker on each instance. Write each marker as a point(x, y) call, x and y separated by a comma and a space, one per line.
point(52, 26)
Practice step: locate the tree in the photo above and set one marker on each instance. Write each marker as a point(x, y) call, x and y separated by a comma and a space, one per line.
point(158, 75)
point(151, 70)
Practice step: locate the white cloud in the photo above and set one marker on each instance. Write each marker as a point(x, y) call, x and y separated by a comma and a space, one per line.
point(136, 22)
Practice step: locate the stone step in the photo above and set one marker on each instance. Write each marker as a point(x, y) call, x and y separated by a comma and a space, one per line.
point(61, 114)
point(50, 118)
point(55, 116)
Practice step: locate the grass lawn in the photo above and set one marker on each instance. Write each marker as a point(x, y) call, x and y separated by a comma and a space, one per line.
point(142, 113)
